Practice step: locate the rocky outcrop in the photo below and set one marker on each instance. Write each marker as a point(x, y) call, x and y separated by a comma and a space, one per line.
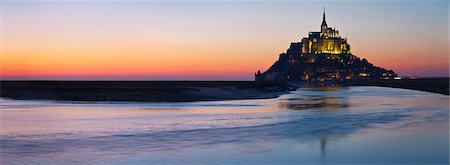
point(322, 67)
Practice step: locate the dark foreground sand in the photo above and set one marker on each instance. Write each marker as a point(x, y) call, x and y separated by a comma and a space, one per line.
point(142, 91)
point(179, 91)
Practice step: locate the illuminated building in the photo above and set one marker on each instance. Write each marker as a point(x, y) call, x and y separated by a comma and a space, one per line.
point(322, 56)
point(325, 41)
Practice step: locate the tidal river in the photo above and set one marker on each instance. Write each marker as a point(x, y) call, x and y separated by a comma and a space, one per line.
point(311, 125)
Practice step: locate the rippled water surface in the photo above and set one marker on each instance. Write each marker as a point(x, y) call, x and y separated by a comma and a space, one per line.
point(310, 125)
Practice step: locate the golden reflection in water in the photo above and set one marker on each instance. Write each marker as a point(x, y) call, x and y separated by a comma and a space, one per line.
point(314, 101)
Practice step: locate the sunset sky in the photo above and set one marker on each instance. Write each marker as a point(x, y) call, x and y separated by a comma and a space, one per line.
point(147, 40)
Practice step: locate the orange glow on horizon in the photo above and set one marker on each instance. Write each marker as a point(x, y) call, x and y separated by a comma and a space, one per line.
point(159, 40)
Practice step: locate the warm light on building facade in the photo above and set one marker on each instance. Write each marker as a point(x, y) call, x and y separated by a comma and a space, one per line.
point(322, 56)
point(325, 41)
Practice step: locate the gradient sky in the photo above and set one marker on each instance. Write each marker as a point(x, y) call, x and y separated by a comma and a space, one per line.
point(147, 40)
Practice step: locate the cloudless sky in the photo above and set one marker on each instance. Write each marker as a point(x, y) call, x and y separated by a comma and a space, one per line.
point(204, 40)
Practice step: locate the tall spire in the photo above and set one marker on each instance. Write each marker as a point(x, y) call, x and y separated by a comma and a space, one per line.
point(323, 13)
point(324, 23)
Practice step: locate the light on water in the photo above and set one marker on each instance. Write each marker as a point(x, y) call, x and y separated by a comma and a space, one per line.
point(310, 125)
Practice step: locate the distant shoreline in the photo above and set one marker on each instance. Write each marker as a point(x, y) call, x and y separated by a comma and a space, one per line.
point(433, 85)
point(184, 91)
point(142, 91)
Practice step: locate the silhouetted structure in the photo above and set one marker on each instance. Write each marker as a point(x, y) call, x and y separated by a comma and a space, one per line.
point(322, 56)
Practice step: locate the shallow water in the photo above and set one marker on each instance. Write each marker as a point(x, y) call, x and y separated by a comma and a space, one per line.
point(310, 125)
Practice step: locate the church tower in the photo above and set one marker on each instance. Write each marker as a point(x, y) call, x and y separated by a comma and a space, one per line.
point(324, 26)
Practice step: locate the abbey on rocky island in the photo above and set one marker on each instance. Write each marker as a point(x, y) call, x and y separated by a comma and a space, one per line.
point(322, 56)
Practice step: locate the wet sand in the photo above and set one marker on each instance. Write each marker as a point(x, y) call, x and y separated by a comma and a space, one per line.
point(142, 91)
point(183, 91)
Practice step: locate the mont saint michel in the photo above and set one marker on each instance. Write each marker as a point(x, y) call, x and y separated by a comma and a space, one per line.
point(173, 82)
point(322, 56)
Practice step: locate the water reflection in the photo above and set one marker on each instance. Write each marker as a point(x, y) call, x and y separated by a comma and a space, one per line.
point(314, 102)
point(326, 88)
point(326, 98)
point(234, 132)
point(323, 146)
